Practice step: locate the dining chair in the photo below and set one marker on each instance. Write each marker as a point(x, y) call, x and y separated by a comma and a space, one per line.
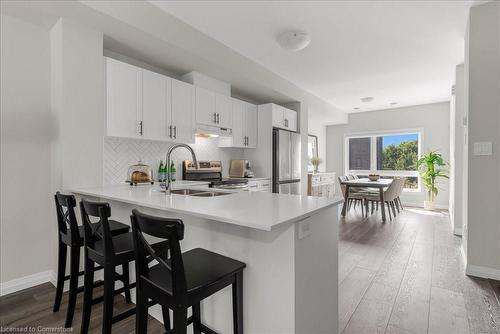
point(355, 196)
point(390, 195)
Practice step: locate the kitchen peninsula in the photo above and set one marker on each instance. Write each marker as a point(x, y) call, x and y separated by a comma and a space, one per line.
point(288, 242)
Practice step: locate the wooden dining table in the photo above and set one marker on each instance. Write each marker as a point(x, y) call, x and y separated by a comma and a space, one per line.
point(380, 184)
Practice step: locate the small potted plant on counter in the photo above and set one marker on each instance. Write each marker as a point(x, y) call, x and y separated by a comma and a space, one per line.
point(431, 167)
point(316, 161)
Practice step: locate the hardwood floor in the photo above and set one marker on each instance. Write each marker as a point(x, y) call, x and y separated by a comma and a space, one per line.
point(407, 276)
point(33, 308)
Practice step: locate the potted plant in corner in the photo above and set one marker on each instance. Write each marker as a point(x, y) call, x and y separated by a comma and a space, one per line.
point(431, 166)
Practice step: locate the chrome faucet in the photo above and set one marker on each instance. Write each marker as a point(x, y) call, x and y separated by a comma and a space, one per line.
point(169, 177)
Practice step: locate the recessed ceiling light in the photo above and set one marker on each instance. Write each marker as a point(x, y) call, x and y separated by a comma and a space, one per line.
point(367, 99)
point(294, 40)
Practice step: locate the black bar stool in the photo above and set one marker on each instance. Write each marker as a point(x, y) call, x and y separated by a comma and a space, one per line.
point(184, 279)
point(108, 251)
point(71, 235)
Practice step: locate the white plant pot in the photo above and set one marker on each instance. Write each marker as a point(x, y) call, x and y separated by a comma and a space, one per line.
point(429, 205)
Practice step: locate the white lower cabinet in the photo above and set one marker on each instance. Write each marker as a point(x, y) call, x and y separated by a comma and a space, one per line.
point(259, 185)
point(244, 126)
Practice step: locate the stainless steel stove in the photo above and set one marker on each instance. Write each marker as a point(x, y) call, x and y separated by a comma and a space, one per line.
point(211, 171)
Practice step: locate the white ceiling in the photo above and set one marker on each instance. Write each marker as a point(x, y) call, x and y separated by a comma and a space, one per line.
point(395, 51)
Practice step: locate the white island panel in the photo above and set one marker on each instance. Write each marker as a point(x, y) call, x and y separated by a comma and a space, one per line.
point(290, 284)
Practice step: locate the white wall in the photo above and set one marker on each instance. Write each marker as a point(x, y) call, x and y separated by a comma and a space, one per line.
point(483, 82)
point(27, 228)
point(434, 119)
point(319, 130)
point(457, 148)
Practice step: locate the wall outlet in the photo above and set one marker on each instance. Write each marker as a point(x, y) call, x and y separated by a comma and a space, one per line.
point(483, 148)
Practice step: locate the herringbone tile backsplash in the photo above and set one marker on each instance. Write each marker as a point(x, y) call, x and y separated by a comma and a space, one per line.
point(120, 153)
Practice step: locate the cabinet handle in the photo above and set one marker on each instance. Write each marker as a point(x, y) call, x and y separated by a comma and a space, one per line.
point(140, 128)
point(218, 118)
point(215, 117)
point(175, 132)
point(170, 131)
point(286, 123)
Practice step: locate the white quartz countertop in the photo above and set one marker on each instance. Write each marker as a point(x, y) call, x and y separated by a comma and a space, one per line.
point(258, 210)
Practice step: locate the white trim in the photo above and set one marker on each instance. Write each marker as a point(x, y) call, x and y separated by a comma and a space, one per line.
point(26, 282)
point(483, 272)
point(457, 231)
point(421, 205)
point(462, 251)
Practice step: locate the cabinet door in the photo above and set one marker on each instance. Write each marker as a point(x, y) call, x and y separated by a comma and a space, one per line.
point(290, 119)
point(223, 110)
point(156, 92)
point(277, 116)
point(205, 106)
point(183, 114)
point(251, 125)
point(239, 131)
point(123, 99)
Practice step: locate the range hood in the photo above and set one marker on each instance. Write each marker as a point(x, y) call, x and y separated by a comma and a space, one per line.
point(213, 131)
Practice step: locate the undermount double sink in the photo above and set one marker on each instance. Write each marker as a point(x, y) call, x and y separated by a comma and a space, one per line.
point(198, 193)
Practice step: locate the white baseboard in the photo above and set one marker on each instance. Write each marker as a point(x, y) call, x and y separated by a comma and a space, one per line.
point(483, 272)
point(421, 205)
point(26, 282)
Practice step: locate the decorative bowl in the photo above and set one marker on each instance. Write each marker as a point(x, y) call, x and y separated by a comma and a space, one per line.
point(373, 177)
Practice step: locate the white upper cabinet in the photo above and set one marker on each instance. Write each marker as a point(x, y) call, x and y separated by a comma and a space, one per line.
point(157, 96)
point(283, 118)
point(244, 125)
point(239, 133)
point(290, 119)
point(251, 124)
point(148, 105)
point(183, 102)
point(205, 107)
point(123, 99)
point(223, 111)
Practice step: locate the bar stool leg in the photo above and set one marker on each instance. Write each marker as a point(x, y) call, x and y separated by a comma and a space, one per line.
point(61, 272)
point(87, 295)
point(196, 318)
point(109, 292)
point(238, 303)
point(73, 284)
point(126, 282)
point(180, 320)
point(141, 320)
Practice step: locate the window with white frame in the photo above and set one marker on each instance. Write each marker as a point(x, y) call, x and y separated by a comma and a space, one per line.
point(388, 154)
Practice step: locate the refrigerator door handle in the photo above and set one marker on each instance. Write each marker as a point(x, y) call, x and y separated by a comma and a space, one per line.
point(288, 181)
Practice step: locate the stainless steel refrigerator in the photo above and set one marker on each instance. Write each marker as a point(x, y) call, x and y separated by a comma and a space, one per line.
point(286, 162)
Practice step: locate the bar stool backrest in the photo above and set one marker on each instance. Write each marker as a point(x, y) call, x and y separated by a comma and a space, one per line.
point(66, 218)
point(164, 228)
point(100, 230)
